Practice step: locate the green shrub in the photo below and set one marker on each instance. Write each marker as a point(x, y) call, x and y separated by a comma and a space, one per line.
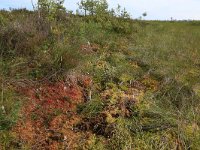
point(115, 20)
point(50, 8)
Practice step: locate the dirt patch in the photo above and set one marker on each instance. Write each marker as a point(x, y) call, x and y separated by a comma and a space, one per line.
point(97, 125)
point(48, 116)
point(89, 48)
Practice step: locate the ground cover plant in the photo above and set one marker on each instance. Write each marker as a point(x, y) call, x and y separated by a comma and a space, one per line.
point(97, 80)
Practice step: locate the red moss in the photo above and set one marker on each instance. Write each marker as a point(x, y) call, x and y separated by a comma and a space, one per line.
point(47, 109)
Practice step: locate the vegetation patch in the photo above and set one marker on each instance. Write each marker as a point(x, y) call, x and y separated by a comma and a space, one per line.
point(97, 79)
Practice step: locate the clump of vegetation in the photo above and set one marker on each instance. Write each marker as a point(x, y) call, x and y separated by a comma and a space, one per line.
point(9, 114)
point(97, 79)
point(113, 20)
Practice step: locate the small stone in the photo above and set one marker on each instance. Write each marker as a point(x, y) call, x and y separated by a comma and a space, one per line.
point(3, 109)
point(65, 88)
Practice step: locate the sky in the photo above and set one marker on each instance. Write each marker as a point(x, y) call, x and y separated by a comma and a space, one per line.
point(156, 9)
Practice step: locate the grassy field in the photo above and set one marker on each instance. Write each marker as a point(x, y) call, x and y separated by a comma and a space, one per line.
point(171, 53)
point(84, 83)
point(171, 49)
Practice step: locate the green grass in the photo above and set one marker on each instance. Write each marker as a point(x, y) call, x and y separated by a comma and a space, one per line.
point(9, 114)
point(172, 53)
point(170, 49)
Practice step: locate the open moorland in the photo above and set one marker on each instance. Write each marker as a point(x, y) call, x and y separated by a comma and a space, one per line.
point(98, 81)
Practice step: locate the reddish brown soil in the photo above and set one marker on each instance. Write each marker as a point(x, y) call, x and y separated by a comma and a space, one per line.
point(48, 117)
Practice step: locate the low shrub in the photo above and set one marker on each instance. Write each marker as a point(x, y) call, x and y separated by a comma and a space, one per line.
point(20, 38)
